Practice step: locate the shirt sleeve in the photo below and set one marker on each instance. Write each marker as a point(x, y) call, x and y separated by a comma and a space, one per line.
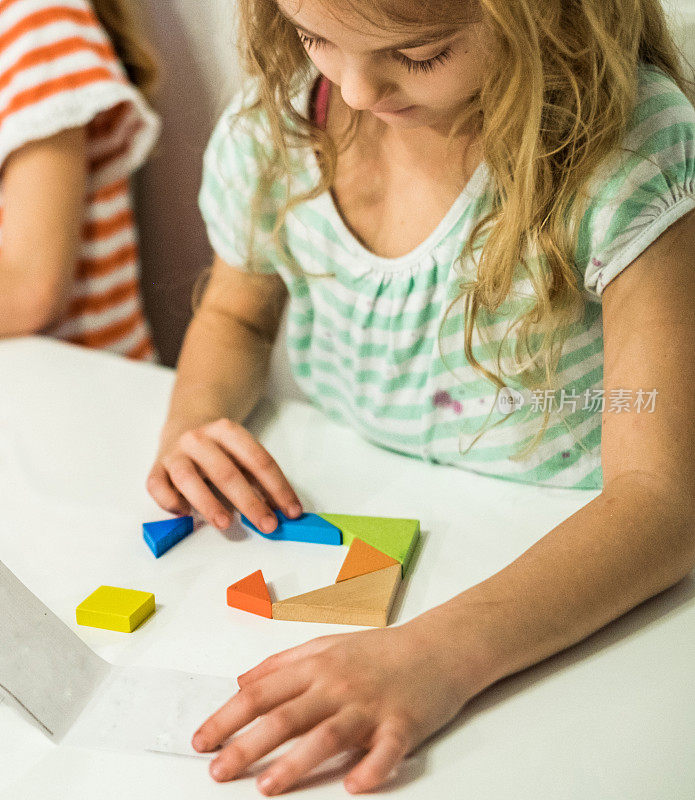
point(231, 166)
point(59, 70)
point(635, 197)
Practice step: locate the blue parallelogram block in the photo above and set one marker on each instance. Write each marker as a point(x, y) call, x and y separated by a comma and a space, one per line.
point(163, 534)
point(307, 528)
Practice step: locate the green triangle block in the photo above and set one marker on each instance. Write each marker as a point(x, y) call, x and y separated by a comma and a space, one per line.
point(392, 535)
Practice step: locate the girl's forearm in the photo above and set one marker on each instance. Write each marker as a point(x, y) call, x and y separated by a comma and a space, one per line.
point(21, 311)
point(221, 372)
point(43, 186)
point(30, 300)
point(617, 551)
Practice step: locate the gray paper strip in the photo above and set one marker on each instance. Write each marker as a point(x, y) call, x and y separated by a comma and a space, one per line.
point(45, 668)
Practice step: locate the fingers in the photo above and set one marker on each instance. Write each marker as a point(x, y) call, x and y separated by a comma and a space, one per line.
point(164, 492)
point(284, 659)
point(391, 745)
point(222, 462)
point(250, 453)
point(258, 487)
point(185, 476)
point(223, 472)
point(278, 726)
point(245, 706)
point(337, 733)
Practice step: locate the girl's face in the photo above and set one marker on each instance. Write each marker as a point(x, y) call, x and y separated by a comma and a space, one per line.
point(404, 81)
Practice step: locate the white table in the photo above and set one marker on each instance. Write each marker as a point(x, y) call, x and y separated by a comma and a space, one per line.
point(613, 717)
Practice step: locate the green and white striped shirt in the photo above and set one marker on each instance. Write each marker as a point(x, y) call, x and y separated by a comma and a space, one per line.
point(363, 343)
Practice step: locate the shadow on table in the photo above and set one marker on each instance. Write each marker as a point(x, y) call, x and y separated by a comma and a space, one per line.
point(638, 618)
point(336, 769)
point(395, 617)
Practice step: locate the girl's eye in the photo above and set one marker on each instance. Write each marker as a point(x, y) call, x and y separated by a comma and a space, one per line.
point(410, 64)
point(310, 41)
point(424, 66)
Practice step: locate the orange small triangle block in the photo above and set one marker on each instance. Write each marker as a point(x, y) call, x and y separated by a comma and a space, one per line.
point(251, 594)
point(361, 559)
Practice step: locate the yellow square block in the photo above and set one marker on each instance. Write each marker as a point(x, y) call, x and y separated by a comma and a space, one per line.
point(115, 609)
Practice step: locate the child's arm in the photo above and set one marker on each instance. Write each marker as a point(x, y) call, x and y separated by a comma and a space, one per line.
point(43, 187)
point(221, 373)
point(387, 690)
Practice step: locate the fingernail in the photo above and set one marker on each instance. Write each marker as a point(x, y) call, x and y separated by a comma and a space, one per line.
point(222, 522)
point(269, 524)
point(295, 509)
point(267, 783)
point(350, 785)
point(216, 769)
point(198, 741)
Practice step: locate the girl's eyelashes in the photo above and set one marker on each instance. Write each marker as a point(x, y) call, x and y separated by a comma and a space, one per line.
point(410, 64)
point(310, 41)
point(424, 66)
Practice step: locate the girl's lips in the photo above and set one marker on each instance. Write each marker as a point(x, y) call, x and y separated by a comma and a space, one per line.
point(394, 111)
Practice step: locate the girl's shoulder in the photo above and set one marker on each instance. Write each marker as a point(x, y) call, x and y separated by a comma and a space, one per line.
point(243, 119)
point(59, 69)
point(241, 142)
point(652, 75)
point(47, 34)
point(237, 151)
point(657, 92)
point(660, 132)
point(662, 123)
point(26, 17)
point(661, 128)
point(641, 187)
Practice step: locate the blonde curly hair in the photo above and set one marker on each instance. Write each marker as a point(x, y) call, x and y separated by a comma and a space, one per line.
point(560, 106)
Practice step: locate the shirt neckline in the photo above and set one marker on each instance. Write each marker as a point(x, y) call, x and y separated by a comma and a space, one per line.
point(397, 263)
point(351, 242)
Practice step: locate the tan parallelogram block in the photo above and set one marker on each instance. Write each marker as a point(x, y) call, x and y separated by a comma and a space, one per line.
point(364, 600)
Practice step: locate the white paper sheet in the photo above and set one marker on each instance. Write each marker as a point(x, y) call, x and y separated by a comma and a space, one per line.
point(140, 708)
point(74, 696)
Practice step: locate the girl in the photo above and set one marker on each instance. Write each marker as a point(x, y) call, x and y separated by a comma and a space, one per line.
point(449, 194)
point(74, 124)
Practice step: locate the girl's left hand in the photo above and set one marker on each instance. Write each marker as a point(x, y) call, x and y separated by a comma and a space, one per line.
point(384, 690)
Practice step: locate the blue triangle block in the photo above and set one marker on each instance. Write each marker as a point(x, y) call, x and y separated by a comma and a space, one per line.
point(307, 528)
point(163, 534)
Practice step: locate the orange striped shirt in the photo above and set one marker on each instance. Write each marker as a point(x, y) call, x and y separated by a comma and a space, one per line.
point(58, 70)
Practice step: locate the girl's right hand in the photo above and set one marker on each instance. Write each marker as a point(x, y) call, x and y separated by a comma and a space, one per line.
point(226, 455)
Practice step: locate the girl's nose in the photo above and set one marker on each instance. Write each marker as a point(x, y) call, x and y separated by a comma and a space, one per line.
point(361, 86)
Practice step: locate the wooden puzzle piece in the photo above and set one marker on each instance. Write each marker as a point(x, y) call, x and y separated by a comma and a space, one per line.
point(364, 600)
point(115, 609)
point(163, 534)
point(307, 528)
point(392, 535)
point(361, 559)
point(251, 594)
